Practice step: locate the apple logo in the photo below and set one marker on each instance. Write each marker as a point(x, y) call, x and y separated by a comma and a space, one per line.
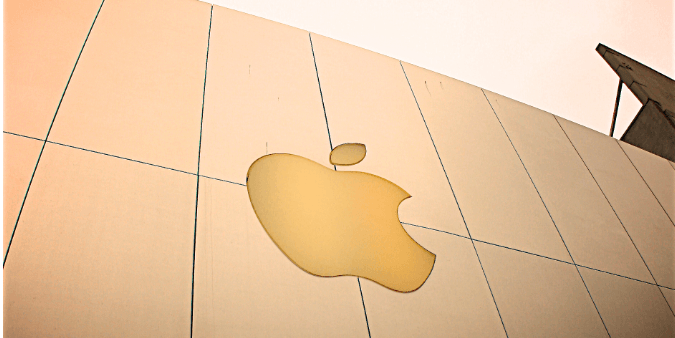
point(337, 223)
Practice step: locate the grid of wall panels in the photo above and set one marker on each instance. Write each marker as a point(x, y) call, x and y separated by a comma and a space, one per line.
point(526, 286)
point(483, 167)
point(586, 221)
point(134, 220)
point(645, 222)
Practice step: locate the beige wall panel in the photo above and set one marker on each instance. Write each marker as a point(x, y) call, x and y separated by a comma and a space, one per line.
point(586, 221)
point(630, 308)
point(42, 40)
point(639, 211)
point(103, 248)
point(670, 297)
point(262, 96)
point(539, 297)
point(498, 200)
point(369, 101)
point(137, 91)
point(245, 285)
point(455, 300)
point(656, 172)
point(20, 157)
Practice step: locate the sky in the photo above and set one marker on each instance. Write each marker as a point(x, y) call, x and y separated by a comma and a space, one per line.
point(541, 53)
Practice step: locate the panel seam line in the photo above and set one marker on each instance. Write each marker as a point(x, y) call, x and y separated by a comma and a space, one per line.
point(127, 159)
point(199, 154)
point(325, 115)
point(363, 302)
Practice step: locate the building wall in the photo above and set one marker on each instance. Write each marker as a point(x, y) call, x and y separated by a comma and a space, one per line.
point(130, 127)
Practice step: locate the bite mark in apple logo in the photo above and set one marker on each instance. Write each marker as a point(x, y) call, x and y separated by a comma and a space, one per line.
point(337, 223)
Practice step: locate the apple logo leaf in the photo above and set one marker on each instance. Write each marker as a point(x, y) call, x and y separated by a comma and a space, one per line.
point(348, 154)
point(337, 223)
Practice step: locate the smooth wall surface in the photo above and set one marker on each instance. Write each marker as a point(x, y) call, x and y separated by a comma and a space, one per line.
point(137, 222)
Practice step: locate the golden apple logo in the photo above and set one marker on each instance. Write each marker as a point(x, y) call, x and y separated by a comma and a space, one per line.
point(337, 223)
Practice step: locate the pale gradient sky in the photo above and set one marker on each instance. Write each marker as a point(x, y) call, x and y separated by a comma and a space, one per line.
point(541, 53)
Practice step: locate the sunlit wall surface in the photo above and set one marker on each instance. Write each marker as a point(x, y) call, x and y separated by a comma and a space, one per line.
point(129, 127)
